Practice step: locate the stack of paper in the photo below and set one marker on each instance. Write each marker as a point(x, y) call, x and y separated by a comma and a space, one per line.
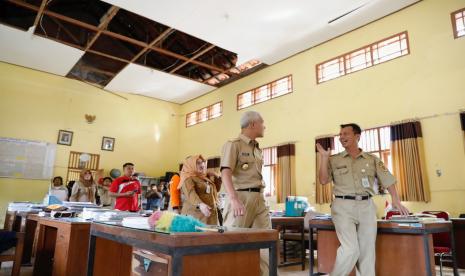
point(136, 222)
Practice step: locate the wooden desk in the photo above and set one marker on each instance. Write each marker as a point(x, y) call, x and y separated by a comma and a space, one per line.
point(401, 249)
point(62, 246)
point(207, 253)
point(280, 224)
point(459, 239)
point(18, 222)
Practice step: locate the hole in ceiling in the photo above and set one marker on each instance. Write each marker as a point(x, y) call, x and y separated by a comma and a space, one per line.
point(135, 26)
point(16, 16)
point(96, 69)
point(115, 47)
point(87, 11)
point(62, 31)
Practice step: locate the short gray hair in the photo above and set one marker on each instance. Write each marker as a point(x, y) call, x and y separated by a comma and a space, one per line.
point(249, 117)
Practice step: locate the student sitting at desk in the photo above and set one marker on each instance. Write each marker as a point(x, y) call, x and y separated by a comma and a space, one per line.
point(104, 192)
point(58, 190)
point(84, 189)
point(199, 191)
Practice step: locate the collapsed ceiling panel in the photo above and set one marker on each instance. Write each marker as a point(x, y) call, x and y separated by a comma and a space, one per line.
point(96, 69)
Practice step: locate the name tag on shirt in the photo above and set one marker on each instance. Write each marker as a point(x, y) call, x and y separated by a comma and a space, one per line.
point(208, 190)
point(365, 182)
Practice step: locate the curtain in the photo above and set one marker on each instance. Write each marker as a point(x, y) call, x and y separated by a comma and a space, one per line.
point(408, 161)
point(323, 192)
point(462, 121)
point(285, 178)
point(270, 170)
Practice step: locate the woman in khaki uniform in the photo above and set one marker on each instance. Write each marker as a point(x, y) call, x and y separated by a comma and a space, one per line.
point(199, 191)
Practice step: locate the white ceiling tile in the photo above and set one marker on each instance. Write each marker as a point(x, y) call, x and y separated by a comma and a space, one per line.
point(141, 80)
point(267, 30)
point(28, 50)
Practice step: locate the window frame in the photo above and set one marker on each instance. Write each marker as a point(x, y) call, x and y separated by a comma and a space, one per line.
point(370, 46)
point(269, 87)
point(454, 22)
point(209, 114)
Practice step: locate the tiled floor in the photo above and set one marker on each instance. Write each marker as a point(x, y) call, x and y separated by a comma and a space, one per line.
point(285, 271)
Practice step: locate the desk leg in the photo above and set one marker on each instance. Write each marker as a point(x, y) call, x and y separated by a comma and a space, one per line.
point(302, 237)
point(284, 245)
point(273, 259)
point(312, 257)
point(176, 264)
point(426, 251)
point(90, 260)
point(31, 226)
point(454, 257)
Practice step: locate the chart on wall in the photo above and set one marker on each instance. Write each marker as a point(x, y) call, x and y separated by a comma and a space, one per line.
point(26, 159)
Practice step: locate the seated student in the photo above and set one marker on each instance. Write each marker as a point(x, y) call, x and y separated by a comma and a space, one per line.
point(126, 189)
point(84, 189)
point(155, 197)
point(104, 192)
point(199, 191)
point(175, 195)
point(58, 190)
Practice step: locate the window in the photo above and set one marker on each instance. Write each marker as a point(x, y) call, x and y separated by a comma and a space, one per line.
point(362, 58)
point(269, 170)
point(207, 113)
point(458, 23)
point(376, 141)
point(265, 92)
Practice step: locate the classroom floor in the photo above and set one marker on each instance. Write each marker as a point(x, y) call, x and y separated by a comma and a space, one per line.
point(285, 271)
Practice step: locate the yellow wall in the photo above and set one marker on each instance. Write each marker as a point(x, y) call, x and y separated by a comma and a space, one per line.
point(426, 82)
point(35, 105)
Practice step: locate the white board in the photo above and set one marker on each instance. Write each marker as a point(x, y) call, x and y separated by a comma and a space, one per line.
point(26, 159)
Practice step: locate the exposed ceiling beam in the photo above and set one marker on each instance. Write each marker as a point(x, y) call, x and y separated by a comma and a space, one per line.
point(115, 35)
point(107, 56)
point(192, 58)
point(93, 69)
point(104, 21)
point(39, 13)
point(162, 36)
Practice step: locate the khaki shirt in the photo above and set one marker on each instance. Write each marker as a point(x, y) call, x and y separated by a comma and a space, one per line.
point(244, 157)
point(347, 174)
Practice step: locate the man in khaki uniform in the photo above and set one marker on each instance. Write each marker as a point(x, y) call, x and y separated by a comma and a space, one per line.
point(354, 174)
point(241, 173)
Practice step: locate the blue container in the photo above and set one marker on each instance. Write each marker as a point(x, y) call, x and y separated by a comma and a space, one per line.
point(296, 206)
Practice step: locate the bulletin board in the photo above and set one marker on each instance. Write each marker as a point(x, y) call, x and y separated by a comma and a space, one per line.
point(26, 159)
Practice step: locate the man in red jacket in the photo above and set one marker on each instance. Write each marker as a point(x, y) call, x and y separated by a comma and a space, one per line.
point(126, 189)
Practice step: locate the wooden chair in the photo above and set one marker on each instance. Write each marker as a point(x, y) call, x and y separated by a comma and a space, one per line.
point(14, 254)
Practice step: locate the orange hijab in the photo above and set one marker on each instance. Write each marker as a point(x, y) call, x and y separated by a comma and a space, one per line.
point(189, 169)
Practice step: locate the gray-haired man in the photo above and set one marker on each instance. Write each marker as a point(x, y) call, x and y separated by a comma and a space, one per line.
point(241, 173)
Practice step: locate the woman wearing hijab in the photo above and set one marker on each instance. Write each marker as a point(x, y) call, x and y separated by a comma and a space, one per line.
point(199, 191)
point(84, 189)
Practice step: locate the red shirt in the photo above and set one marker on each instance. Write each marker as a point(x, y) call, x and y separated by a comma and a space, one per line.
point(125, 184)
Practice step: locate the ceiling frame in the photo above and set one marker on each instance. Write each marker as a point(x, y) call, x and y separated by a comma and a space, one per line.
point(118, 36)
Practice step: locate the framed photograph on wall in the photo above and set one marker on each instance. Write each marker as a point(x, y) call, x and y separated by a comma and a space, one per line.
point(65, 137)
point(108, 143)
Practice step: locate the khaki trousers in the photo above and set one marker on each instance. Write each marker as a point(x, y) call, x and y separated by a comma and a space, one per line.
point(256, 216)
point(356, 228)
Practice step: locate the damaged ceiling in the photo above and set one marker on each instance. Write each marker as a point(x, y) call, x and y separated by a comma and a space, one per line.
point(157, 49)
